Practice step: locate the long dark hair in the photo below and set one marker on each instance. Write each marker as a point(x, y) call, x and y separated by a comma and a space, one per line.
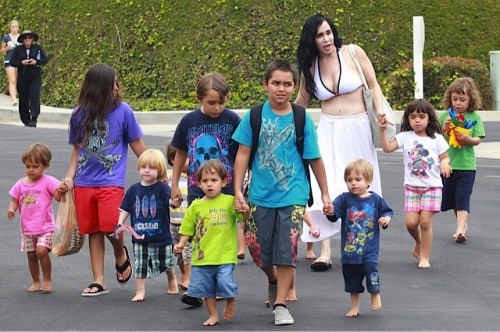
point(307, 51)
point(97, 99)
point(422, 106)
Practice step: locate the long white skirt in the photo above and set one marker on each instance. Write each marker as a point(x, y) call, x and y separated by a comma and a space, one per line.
point(341, 139)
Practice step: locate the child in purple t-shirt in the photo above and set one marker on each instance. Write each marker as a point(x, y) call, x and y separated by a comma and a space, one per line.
point(102, 127)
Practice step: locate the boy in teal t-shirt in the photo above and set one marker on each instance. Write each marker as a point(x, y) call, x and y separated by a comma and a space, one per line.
point(211, 223)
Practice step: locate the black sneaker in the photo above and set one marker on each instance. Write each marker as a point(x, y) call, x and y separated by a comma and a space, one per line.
point(192, 301)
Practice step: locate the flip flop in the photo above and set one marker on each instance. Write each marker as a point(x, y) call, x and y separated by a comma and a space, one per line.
point(123, 268)
point(100, 290)
point(461, 238)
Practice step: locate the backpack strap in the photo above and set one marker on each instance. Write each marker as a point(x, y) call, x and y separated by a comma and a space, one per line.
point(299, 118)
point(255, 123)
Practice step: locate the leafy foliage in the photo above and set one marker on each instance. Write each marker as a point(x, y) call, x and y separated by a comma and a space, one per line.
point(162, 47)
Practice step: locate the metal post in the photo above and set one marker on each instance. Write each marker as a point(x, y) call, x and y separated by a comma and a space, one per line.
point(495, 78)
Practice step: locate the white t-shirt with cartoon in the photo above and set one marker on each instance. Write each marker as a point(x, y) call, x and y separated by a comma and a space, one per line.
point(421, 158)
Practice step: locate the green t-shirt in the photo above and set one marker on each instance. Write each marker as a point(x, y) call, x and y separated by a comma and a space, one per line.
point(464, 158)
point(212, 224)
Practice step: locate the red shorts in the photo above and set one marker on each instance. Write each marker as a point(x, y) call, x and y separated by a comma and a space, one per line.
point(97, 208)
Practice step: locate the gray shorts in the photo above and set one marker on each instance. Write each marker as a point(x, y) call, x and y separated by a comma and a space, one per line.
point(272, 234)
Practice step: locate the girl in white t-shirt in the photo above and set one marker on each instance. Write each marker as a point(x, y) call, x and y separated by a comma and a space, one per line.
point(425, 160)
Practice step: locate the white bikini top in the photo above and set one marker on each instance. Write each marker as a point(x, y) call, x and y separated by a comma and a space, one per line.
point(348, 81)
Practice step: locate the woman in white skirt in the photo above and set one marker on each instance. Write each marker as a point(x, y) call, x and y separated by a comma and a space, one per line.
point(329, 74)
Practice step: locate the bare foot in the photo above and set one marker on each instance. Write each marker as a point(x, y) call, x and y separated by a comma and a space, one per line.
point(416, 251)
point(228, 312)
point(424, 264)
point(46, 287)
point(310, 254)
point(139, 297)
point(211, 321)
point(173, 288)
point(376, 302)
point(35, 287)
point(354, 312)
point(292, 295)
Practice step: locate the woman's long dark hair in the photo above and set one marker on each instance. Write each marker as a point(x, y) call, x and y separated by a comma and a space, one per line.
point(307, 51)
point(97, 99)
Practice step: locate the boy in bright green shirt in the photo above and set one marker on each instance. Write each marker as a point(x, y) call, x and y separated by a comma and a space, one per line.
point(211, 223)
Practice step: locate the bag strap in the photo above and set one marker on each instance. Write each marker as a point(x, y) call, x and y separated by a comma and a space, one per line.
point(352, 52)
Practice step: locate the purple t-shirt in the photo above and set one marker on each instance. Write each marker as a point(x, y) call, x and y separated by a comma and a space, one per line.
point(103, 161)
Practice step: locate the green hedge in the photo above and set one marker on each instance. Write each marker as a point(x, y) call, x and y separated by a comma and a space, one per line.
point(162, 47)
point(438, 73)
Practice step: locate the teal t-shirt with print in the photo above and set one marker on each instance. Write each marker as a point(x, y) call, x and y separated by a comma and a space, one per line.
point(278, 175)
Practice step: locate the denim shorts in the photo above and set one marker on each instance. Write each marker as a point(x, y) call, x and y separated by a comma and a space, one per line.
point(210, 281)
point(457, 191)
point(354, 275)
point(272, 234)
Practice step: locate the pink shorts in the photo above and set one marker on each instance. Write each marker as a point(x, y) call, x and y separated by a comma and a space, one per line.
point(97, 208)
point(30, 242)
point(422, 199)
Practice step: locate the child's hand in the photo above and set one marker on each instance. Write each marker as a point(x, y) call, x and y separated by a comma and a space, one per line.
point(178, 248)
point(314, 231)
point(328, 210)
point(445, 169)
point(462, 138)
point(446, 126)
point(240, 204)
point(383, 122)
point(69, 183)
point(11, 214)
point(62, 188)
point(384, 221)
point(175, 202)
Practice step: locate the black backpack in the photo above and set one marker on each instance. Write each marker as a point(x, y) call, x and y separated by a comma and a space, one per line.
point(299, 118)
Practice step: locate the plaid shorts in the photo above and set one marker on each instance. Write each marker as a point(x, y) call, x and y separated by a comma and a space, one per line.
point(152, 260)
point(30, 242)
point(422, 199)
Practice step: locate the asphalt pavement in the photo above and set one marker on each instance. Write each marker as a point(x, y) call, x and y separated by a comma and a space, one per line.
point(460, 292)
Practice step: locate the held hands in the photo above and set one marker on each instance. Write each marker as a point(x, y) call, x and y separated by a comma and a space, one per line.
point(384, 221)
point(240, 204)
point(176, 198)
point(383, 122)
